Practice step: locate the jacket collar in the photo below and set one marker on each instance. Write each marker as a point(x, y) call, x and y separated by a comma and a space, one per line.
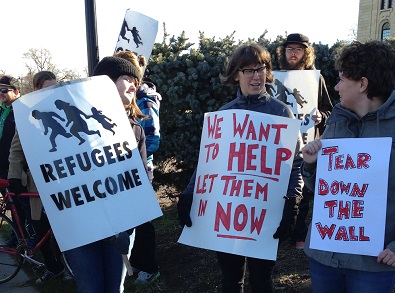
point(262, 97)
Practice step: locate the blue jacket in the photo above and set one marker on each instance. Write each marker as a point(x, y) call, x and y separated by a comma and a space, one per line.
point(343, 123)
point(148, 100)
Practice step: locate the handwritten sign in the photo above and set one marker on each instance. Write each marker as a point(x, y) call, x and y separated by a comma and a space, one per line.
point(83, 156)
point(242, 176)
point(351, 195)
point(298, 89)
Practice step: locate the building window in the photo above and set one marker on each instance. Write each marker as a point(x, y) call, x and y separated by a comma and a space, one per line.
point(386, 4)
point(385, 32)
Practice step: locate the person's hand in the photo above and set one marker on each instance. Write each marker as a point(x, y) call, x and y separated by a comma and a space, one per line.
point(284, 229)
point(16, 186)
point(317, 117)
point(387, 257)
point(184, 208)
point(310, 151)
point(121, 242)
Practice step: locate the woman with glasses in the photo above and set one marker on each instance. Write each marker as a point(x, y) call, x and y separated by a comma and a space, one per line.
point(249, 68)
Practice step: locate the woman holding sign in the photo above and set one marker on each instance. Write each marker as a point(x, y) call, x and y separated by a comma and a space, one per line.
point(366, 110)
point(249, 68)
point(99, 266)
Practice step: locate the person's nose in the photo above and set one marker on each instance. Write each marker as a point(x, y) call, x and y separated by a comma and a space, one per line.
point(133, 87)
point(255, 75)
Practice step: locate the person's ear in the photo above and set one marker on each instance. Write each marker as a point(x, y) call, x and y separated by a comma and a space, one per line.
point(364, 84)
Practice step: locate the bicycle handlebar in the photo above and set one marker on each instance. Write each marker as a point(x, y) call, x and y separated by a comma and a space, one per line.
point(4, 184)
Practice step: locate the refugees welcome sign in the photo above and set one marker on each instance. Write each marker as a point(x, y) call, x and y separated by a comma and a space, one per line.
point(84, 159)
point(242, 177)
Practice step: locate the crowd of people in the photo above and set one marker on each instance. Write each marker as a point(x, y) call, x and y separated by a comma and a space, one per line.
point(367, 100)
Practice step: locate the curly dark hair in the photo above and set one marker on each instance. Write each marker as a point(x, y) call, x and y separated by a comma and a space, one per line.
point(243, 56)
point(374, 60)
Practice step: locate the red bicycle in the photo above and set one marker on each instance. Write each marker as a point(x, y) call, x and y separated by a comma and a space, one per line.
point(13, 257)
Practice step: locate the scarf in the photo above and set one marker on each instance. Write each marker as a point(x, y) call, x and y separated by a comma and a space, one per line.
point(4, 112)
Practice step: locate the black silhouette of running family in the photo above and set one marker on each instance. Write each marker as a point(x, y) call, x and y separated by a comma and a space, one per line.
point(134, 31)
point(75, 119)
point(278, 90)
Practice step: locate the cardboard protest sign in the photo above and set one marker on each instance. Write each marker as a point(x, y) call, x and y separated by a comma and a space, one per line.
point(138, 34)
point(84, 159)
point(299, 90)
point(242, 177)
point(351, 195)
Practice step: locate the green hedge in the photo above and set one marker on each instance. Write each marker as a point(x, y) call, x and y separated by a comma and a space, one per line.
point(187, 77)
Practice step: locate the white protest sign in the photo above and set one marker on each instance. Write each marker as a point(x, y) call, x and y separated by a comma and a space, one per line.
point(299, 90)
point(351, 195)
point(84, 159)
point(242, 177)
point(138, 34)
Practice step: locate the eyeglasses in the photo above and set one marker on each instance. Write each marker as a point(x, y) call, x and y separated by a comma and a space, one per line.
point(249, 72)
point(5, 90)
point(294, 50)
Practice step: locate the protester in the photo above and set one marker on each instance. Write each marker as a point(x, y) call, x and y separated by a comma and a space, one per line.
point(8, 94)
point(250, 68)
point(142, 257)
point(18, 170)
point(98, 266)
point(366, 109)
point(297, 54)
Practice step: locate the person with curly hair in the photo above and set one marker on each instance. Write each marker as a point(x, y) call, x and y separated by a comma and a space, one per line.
point(297, 54)
point(366, 110)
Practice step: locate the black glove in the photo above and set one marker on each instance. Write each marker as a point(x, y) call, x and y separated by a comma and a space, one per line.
point(184, 209)
point(16, 186)
point(121, 242)
point(289, 213)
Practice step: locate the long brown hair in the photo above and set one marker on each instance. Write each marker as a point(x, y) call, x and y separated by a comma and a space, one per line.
point(132, 109)
point(306, 63)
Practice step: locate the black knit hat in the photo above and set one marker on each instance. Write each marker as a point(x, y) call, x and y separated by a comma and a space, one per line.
point(7, 80)
point(114, 67)
point(297, 39)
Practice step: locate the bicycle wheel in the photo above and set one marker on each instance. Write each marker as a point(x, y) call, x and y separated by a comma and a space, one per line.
point(67, 265)
point(11, 260)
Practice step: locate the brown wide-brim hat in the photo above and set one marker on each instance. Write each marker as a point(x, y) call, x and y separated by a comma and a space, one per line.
point(297, 39)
